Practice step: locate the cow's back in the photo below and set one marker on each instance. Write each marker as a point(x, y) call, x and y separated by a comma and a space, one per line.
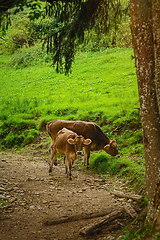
point(86, 129)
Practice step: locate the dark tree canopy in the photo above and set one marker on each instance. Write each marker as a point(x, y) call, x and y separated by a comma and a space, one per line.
point(76, 17)
point(71, 18)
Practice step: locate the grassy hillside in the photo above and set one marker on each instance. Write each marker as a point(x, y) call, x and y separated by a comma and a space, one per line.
point(98, 82)
point(101, 88)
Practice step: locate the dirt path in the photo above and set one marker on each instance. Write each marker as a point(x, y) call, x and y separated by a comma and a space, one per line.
point(37, 197)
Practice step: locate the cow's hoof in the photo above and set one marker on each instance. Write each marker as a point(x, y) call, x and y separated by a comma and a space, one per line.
point(88, 167)
point(55, 164)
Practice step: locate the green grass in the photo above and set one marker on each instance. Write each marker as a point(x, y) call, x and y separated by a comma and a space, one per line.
point(101, 88)
point(123, 167)
point(137, 229)
point(103, 82)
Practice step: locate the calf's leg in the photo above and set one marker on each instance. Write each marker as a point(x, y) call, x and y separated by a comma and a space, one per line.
point(68, 165)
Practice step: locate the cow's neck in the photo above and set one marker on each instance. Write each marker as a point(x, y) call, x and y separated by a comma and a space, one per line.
point(102, 139)
point(105, 140)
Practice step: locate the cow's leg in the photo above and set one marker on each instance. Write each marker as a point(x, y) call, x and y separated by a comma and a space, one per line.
point(86, 156)
point(50, 150)
point(66, 165)
point(50, 147)
point(65, 162)
point(53, 158)
point(70, 167)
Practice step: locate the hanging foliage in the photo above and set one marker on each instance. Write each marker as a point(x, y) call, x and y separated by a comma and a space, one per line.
point(67, 22)
point(74, 18)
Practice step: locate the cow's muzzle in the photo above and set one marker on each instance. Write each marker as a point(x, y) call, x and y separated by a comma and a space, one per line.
point(118, 155)
point(79, 152)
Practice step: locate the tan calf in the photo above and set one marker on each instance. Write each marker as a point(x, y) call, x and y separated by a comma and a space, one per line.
point(69, 144)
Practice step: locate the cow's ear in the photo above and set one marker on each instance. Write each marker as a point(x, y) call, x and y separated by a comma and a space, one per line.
point(87, 141)
point(107, 147)
point(114, 144)
point(70, 141)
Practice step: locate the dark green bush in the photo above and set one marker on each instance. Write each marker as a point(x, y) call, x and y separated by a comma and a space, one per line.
point(25, 56)
point(122, 167)
point(17, 132)
point(29, 136)
point(13, 139)
point(103, 164)
point(18, 35)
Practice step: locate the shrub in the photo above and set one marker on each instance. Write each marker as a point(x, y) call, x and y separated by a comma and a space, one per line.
point(18, 35)
point(98, 41)
point(123, 167)
point(29, 136)
point(102, 164)
point(29, 56)
point(21, 139)
point(17, 132)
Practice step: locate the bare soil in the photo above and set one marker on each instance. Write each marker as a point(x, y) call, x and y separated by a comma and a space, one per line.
point(31, 197)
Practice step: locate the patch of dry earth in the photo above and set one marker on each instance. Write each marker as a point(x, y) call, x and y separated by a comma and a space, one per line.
point(37, 197)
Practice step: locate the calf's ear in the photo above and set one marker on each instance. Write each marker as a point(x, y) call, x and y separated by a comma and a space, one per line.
point(87, 141)
point(70, 141)
point(107, 147)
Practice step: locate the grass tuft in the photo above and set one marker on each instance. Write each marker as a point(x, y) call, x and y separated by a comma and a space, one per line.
point(123, 167)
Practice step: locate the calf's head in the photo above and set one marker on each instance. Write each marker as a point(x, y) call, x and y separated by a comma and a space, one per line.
point(78, 143)
point(111, 148)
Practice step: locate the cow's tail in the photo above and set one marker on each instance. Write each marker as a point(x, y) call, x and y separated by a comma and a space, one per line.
point(48, 129)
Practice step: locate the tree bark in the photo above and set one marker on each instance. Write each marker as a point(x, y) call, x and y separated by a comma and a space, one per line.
point(145, 28)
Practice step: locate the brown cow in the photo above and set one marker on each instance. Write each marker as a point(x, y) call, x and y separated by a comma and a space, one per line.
point(70, 145)
point(87, 130)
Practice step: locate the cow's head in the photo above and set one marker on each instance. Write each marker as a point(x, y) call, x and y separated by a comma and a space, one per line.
point(78, 143)
point(111, 148)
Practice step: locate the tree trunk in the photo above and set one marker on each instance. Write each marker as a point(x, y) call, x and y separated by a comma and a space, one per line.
point(145, 28)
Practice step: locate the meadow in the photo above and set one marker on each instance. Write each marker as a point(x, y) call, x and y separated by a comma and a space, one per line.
point(101, 88)
point(101, 82)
